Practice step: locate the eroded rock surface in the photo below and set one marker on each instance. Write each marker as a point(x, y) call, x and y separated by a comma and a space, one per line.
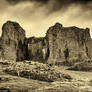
point(68, 43)
point(13, 42)
point(37, 48)
point(60, 44)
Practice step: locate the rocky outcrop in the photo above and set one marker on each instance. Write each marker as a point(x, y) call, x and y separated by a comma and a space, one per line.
point(68, 43)
point(60, 44)
point(13, 42)
point(37, 48)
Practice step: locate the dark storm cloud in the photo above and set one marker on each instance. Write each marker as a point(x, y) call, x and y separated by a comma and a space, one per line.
point(56, 4)
point(52, 6)
point(65, 4)
point(58, 1)
point(19, 1)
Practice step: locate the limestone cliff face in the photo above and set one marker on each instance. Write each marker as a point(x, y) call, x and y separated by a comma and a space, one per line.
point(67, 43)
point(60, 44)
point(37, 48)
point(13, 41)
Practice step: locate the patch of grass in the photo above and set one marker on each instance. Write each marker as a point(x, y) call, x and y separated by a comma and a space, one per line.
point(12, 90)
point(5, 62)
point(71, 62)
point(83, 66)
point(4, 79)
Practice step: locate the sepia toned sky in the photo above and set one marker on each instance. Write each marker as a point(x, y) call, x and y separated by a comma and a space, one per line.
point(36, 16)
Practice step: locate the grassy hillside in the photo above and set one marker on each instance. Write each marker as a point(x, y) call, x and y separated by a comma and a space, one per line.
point(70, 81)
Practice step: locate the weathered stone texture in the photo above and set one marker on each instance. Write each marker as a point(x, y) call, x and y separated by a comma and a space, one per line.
point(13, 41)
point(89, 48)
point(37, 48)
point(67, 43)
point(60, 44)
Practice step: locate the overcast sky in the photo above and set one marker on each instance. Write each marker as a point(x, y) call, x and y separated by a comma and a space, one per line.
point(36, 16)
